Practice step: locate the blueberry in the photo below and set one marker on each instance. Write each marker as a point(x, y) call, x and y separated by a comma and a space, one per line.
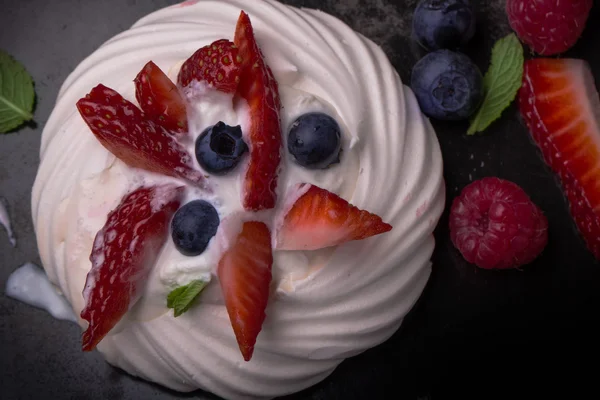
point(443, 24)
point(448, 85)
point(220, 147)
point(193, 226)
point(314, 140)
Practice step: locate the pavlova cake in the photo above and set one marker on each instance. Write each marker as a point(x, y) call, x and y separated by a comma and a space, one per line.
point(235, 196)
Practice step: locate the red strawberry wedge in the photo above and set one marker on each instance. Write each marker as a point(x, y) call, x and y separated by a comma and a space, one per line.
point(217, 64)
point(319, 219)
point(160, 99)
point(561, 107)
point(259, 88)
point(586, 219)
point(244, 272)
point(140, 143)
point(123, 254)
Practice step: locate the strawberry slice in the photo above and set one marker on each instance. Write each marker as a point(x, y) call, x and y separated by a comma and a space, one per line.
point(123, 254)
point(160, 99)
point(217, 64)
point(319, 219)
point(244, 272)
point(124, 131)
point(586, 220)
point(259, 88)
point(561, 108)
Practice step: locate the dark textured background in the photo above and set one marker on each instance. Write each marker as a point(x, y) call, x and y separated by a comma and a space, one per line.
point(475, 334)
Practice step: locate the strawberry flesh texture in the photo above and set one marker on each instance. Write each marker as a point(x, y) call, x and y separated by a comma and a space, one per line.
point(217, 64)
point(260, 89)
point(548, 26)
point(561, 109)
point(123, 254)
point(586, 220)
point(495, 225)
point(140, 143)
point(319, 219)
point(244, 272)
point(160, 99)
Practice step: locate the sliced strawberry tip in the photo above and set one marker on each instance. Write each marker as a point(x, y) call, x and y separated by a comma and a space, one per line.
point(586, 219)
point(123, 254)
point(217, 64)
point(140, 143)
point(260, 89)
point(160, 99)
point(561, 108)
point(320, 218)
point(244, 273)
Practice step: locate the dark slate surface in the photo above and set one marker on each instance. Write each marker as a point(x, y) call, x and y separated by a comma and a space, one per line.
point(474, 333)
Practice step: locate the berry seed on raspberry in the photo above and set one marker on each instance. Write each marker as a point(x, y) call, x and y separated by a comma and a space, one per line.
point(495, 225)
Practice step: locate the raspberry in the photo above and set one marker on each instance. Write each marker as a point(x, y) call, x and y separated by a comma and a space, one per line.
point(495, 225)
point(548, 26)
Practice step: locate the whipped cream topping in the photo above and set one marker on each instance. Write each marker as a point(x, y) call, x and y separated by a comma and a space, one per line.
point(29, 284)
point(326, 305)
point(5, 222)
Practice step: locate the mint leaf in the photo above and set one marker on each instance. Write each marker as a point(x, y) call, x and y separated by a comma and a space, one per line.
point(16, 93)
point(182, 298)
point(501, 82)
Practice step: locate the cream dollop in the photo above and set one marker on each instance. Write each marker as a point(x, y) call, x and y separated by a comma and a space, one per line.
point(29, 284)
point(5, 222)
point(327, 305)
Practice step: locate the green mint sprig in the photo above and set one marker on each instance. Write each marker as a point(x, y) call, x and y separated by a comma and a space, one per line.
point(501, 82)
point(182, 298)
point(16, 94)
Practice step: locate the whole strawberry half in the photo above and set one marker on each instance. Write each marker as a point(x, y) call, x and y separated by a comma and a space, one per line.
point(548, 26)
point(259, 88)
point(137, 141)
point(244, 273)
point(319, 219)
point(160, 100)
point(561, 108)
point(123, 254)
point(217, 64)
